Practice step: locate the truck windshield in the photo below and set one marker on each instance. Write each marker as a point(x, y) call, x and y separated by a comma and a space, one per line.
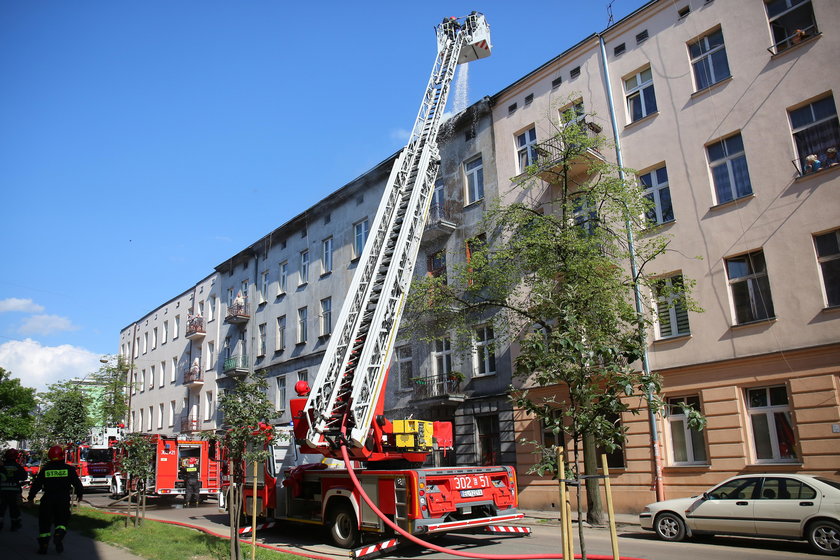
point(97, 455)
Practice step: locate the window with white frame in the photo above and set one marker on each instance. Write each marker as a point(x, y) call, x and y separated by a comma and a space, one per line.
point(584, 214)
point(150, 419)
point(280, 334)
point(303, 375)
point(171, 413)
point(640, 95)
point(283, 278)
point(484, 353)
point(728, 165)
point(261, 341)
point(474, 170)
point(360, 235)
point(688, 447)
point(404, 365)
point(141, 418)
point(672, 316)
point(526, 148)
point(304, 267)
point(791, 21)
point(145, 342)
point(208, 405)
point(708, 58)
point(816, 133)
point(280, 394)
point(326, 316)
point(828, 256)
point(230, 296)
point(164, 333)
point(264, 286)
point(327, 255)
point(211, 308)
point(151, 377)
point(658, 193)
point(160, 417)
point(201, 309)
point(771, 423)
point(573, 113)
point(162, 373)
point(442, 357)
point(154, 338)
point(173, 371)
point(750, 287)
point(176, 327)
point(211, 355)
point(301, 325)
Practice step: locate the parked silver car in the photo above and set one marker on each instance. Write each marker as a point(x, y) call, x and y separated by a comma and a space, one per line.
point(780, 506)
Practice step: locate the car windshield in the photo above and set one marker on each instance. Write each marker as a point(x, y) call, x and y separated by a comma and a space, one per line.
point(832, 483)
point(96, 455)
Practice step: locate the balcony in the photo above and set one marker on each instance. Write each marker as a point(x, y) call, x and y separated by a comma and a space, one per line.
point(195, 328)
point(236, 365)
point(440, 223)
point(554, 158)
point(438, 389)
point(193, 377)
point(237, 312)
point(190, 425)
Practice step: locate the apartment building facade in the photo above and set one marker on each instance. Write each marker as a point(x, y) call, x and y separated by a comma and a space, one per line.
point(727, 110)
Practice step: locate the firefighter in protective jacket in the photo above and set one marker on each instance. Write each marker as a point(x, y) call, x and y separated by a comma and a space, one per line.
point(12, 475)
point(56, 478)
point(189, 474)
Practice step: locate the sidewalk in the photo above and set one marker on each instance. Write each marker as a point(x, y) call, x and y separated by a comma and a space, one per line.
point(540, 517)
point(21, 545)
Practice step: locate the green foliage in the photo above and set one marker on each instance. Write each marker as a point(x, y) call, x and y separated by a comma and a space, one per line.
point(137, 455)
point(112, 407)
point(65, 418)
point(17, 408)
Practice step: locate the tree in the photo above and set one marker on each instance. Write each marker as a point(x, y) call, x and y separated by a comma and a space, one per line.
point(137, 455)
point(246, 412)
point(17, 408)
point(65, 417)
point(552, 274)
point(112, 407)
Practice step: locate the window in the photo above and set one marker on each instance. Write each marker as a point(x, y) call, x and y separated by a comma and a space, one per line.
point(211, 355)
point(782, 488)
point(750, 287)
point(442, 357)
point(160, 417)
point(549, 425)
point(657, 191)
point(150, 418)
point(488, 439)
point(208, 405)
point(688, 446)
point(436, 264)
point(303, 375)
point(142, 380)
point(585, 215)
point(201, 309)
point(484, 354)
point(404, 365)
point(619, 49)
point(164, 332)
point(326, 316)
point(828, 255)
point(301, 326)
point(145, 342)
point(672, 316)
point(171, 413)
point(572, 114)
point(141, 418)
point(729, 169)
point(154, 338)
point(684, 11)
point(261, 342)
point(151, 378)
point(280, 334)
point(816, 132)
point(791, 21)
point(283, 278)
point(304, 267)
point(211, 308)
point(264, 286)
point(708, 58)
point(360, 235)
point(280, 394)
point(738, 489)
point(474, 170)
point(641, 99)
point(327, 255)
point(230, 297)
point(526, 150)
point(162, 374)
point(173, 372)
point(771, 423)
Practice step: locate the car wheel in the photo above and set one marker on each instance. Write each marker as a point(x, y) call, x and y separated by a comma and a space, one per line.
point(824, 536)
point(343, 528)
point(669, 526)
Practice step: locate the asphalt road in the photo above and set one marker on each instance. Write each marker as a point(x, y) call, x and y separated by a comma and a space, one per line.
point(545, 540)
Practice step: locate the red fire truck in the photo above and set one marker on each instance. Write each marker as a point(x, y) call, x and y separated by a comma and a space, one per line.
point(341, 415)
point(169, 452)
point(95, 457)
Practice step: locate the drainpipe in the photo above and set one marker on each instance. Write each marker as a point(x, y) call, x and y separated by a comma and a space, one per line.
point(637, 296)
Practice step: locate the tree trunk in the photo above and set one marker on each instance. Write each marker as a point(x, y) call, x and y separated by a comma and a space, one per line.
point(594, 509)
point(579, 501)
point(234, 509)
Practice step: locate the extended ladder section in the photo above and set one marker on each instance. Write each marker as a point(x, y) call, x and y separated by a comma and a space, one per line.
point(351, 378)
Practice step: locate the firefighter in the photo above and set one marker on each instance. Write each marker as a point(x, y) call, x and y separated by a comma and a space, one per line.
point(189, 474)
point(12, 475)
point(56, 478)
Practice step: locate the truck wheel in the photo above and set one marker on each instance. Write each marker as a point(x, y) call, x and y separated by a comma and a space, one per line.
point(115, 490)
point(344, 531)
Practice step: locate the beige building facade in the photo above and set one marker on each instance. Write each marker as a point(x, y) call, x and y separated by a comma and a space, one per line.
point(717, 106)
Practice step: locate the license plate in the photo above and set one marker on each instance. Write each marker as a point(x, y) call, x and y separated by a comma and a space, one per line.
point(472, 493)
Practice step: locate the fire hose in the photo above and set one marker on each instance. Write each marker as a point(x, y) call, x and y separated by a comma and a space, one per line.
point(425, 544)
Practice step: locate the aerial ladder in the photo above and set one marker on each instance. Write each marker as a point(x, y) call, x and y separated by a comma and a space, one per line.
point(346, 400)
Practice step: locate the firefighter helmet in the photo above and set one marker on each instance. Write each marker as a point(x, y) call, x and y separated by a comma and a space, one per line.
point(11, 454)
point(193, 461)
point(55, 453)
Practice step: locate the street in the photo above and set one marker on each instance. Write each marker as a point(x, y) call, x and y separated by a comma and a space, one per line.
point(633, 542)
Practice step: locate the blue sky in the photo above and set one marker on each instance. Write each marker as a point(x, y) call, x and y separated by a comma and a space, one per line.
point(132, 133)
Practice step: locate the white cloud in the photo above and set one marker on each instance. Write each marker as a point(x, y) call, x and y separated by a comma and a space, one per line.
point(401, 134)
point(46, 324)
point(18, 304)
point(38, 366)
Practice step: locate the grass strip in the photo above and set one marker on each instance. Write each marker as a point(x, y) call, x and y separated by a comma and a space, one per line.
point(160, 541)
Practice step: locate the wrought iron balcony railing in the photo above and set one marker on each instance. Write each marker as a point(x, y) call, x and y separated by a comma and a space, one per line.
point(435, 386)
